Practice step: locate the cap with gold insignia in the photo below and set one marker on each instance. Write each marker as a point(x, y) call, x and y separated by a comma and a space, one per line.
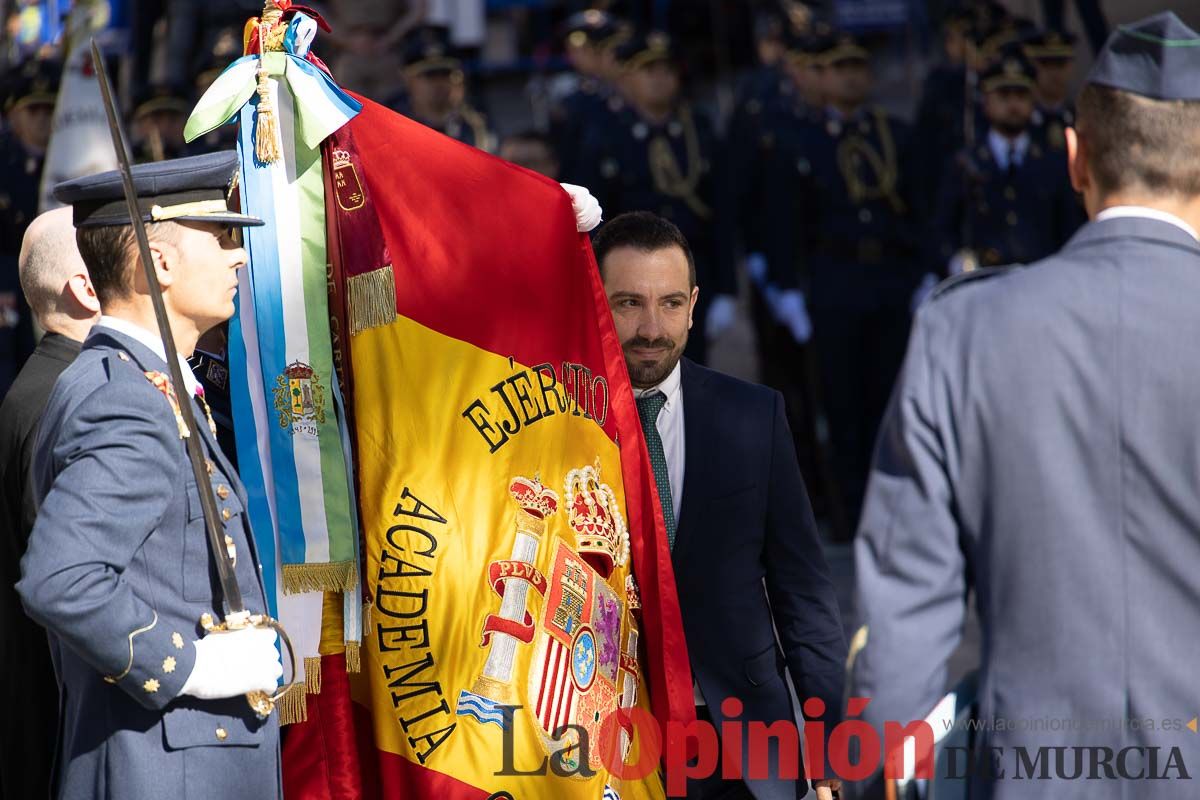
point(1157, 57)
point(192, 189)
point(427, 50)
point(160, 100)
point(592, 26)
point(642, 49)
point(805, 46)
point(1050, 45)
point(841, 47)
point(1010, 71)
point(34, 83)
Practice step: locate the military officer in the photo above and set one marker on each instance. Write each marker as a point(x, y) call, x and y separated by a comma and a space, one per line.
point(157, 124)
point(118, 567)
point(1053, 55)
point(938, 127)
point(1040, 454)
point(29, 94)
point(843, 242)
point(580, 99)
point(1008, 201)
point(435, 90)
point(210, 365)
point(659, 154)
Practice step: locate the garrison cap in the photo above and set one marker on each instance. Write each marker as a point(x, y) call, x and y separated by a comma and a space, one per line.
point(192, 189)
point(1156, 57)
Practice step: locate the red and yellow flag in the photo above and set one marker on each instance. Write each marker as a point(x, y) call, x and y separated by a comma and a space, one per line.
point(516, 562)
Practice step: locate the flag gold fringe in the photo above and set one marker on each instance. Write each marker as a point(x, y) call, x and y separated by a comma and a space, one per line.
point(368, 607)
point(353, 657)
point(266, 130)
point(312, 675)
point(372, 299)
point(266, 126)
point(292, 706)
point(336, 576)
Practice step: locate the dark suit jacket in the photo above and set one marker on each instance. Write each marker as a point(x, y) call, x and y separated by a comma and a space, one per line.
point(748, 563)
point(26, 674)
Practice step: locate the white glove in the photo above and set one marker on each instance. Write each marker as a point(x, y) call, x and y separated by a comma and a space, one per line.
point(234, 663)
point(791, 312)
point(924, 289)
point(756, 268)
point(587, 208)
point(721, 315)
point(962, 261)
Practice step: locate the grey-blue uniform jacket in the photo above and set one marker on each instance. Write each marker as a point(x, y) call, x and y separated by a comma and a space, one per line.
point(118, 571)
point(1043, 447)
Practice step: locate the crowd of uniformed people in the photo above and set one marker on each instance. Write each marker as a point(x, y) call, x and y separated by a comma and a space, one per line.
point(839, 213)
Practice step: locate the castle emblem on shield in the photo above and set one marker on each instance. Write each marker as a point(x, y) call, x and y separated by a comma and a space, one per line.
point(300, 398)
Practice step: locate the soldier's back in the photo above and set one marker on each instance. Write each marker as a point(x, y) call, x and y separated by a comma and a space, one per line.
point(1069, 387)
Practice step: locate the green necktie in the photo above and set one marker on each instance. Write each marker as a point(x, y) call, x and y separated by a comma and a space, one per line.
point(649, 406)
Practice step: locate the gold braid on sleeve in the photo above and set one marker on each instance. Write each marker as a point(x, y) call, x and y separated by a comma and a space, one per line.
point(129, 666)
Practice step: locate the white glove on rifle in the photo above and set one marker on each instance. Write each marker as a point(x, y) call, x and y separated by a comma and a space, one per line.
point(234, 663)
point(721, 315)
point(791, 311)
point(587, 208)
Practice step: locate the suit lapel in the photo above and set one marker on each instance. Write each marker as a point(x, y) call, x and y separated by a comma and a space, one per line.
point(698, 419)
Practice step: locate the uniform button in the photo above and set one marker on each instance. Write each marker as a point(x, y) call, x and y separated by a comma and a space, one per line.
point(1011, 218)
point(223, 491)
point(208, 465)
point(1010, 193)
point(222, 734)
point(226, 514)
point(864, 215)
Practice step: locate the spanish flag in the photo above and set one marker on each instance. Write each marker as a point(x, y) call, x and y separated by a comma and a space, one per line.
point(523, 634)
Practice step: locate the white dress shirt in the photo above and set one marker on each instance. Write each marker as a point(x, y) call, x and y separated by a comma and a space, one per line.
point(152, 341)
point(1147, 213)
point(1000, 146)
point(670, 430)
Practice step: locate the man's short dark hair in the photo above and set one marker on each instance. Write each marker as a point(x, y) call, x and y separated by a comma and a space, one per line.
point(642, 231)
point(1138, 143)
point(110, 252)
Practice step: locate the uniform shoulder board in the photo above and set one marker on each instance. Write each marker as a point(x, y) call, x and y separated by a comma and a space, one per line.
point(954, 281)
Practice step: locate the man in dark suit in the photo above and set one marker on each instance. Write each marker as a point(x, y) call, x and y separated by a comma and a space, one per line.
point(56, 284)
point(1041, 449)
point(747, 559)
